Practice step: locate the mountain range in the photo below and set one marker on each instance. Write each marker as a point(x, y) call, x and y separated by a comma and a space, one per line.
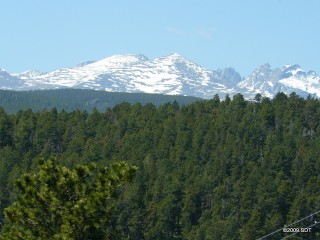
point(171, 75)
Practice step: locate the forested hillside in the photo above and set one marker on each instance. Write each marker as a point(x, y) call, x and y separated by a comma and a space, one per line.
point(230, 169)
point(80, 99)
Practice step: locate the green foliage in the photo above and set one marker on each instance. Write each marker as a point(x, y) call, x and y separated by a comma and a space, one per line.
point(216, 169)
point(61, 203)
point(80, 99)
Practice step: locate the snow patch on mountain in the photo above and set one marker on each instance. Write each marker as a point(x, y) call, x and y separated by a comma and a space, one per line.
point(28, 74)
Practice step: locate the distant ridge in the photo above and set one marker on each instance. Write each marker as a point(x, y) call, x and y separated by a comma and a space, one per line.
point(80, 99)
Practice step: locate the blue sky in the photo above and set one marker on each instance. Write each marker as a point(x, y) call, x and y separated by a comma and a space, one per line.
point(47, 35)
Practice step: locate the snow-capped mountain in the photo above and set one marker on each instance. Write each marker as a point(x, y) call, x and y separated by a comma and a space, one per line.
point(172, 74)
point(290, 78)
point(8, 81)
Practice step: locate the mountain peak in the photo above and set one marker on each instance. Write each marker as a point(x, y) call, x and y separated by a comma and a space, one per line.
point(174, 57)
point(289, 70)
point(29, 74)
point(262, 71)
point(128, 57)
point(124, 59)
point(177, 60)
point(291, 66)
point(266, 65)
point(141, 57)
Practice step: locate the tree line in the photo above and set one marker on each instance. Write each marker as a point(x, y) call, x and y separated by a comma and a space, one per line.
point(70, 99)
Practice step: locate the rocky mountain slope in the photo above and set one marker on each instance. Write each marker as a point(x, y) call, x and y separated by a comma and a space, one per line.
point(172, 74)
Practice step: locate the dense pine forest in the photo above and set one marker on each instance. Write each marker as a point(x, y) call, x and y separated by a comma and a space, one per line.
point(216, 169)
point(70, 99)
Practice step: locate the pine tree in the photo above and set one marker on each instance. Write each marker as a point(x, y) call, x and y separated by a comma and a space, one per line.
point(61, 203)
